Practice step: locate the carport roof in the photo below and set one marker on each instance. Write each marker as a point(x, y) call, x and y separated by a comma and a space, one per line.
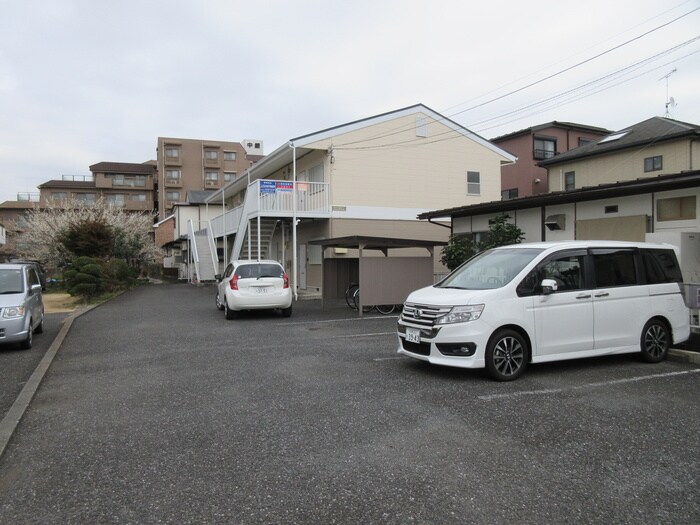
point(375, 243)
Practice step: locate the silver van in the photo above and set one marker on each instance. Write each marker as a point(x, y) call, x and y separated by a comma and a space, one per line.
point(21, 304)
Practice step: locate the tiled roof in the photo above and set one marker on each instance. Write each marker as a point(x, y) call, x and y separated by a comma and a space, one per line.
point(123, 167)
point(553, 124)
point(68, 184)
point(653, 130)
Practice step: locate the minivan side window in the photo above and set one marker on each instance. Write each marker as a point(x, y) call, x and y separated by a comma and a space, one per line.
point(614, 267)
point(32, 277)
point(661, 266)
point(567, 269)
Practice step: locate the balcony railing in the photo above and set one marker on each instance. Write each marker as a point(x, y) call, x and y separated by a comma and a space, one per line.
point(276, 198)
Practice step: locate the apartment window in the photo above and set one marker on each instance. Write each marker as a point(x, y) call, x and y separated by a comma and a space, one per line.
point(116, 199)
point(611, 209)
point(229, 155)
point(544, 148)
point(473, 183)
point(569, 180)
point(210, 154)
point(507, 195)
point(87, 198)
point(211, 176)
point(130, 181)
point(653, 163)
point(59, 195)
point(172, 153)
point(676, 209)
point(172, 195)
point(229, 176)
point(172, 176)
point(139, 197)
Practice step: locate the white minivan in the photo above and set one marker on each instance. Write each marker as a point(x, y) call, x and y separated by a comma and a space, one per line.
point(538, 302)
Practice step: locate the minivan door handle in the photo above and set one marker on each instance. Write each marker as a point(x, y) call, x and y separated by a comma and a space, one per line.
point(583, 296)
point(602, 294)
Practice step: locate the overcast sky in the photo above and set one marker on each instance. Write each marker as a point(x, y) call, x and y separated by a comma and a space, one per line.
point(84, 81)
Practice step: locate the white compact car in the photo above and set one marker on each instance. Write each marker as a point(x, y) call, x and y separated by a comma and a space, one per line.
point(532, 303)
point(21, 304)
point(253, 285)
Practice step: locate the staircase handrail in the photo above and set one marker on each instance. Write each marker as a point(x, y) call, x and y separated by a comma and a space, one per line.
point(193, 248)
point(212, 246)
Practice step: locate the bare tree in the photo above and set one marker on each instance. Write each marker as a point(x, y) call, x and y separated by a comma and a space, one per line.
point(46, 229)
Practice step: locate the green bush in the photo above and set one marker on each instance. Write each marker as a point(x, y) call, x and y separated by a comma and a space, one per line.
point(120, 275)
point(84, 278)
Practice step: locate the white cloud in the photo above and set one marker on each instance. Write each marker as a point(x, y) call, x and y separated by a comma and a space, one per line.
point(84, 81)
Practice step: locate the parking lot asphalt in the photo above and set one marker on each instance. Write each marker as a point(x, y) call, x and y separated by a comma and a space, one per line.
point(158, 410)
point(17, 365)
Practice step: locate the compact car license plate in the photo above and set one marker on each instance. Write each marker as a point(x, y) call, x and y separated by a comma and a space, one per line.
point(412, 335)
point(261, 289)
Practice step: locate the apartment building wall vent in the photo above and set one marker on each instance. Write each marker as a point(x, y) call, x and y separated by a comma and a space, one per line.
point(556, 222)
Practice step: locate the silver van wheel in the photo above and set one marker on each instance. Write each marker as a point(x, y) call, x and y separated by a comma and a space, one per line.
point(506, 355)
point(655, 341)
point(27, 343)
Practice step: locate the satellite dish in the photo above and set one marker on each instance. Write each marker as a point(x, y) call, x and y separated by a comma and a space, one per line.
point(672, 102)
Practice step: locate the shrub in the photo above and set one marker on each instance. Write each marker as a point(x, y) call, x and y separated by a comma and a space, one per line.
point(84, 278)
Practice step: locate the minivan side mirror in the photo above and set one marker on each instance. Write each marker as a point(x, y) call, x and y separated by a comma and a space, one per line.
point(36, 289)
point(549, 286)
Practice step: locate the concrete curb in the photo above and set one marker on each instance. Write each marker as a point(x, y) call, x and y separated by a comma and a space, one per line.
point(19, 407)
point(684, 356)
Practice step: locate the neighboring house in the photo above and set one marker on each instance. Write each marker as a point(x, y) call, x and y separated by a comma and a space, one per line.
point(370, 177)
point(656, 146)
point(172, 234)
point(186, 165)
point(537, 143)
point(619, 188)
point(3, 235)
point(126, 185)
point(13, 216)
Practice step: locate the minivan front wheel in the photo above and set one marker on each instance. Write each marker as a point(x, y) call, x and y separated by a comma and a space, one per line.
point(506, 355)
point(27, 343)
point(655, 341)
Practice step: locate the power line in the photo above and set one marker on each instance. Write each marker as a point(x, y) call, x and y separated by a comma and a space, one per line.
point(401, 129)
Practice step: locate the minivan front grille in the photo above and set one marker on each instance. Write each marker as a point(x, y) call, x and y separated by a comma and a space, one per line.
point(423, 315)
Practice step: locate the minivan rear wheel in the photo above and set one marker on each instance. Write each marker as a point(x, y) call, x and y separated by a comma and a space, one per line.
point(506, 355)
point(655, 341)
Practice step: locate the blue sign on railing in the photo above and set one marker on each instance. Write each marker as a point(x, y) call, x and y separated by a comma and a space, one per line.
point(267, 186)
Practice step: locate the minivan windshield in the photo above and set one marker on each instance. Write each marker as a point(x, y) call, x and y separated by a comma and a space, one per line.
point(490, 269)
point(11, 281)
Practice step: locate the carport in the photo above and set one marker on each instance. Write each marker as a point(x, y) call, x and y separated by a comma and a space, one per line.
point(382, 280)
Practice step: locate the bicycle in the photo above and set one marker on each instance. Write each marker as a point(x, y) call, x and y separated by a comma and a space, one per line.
point(350, 295)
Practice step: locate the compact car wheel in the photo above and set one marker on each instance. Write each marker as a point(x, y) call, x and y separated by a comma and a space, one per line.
point(287, 312)
point(506, 355)
point(219, 304)
point(655, 341)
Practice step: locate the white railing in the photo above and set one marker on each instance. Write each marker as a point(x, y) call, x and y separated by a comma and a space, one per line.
point(275, 198)
point(193, 246)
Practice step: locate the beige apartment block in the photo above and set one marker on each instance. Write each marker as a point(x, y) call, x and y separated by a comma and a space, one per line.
point(186, 165)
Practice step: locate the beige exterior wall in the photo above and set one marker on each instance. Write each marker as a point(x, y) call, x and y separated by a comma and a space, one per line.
point(429, 175)
point(625, 165)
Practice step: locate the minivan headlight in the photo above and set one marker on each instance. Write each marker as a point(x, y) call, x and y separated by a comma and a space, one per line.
point(461, 314)
point(11, 312)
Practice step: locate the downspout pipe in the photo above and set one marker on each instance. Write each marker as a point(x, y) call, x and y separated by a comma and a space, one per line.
point(294, 220)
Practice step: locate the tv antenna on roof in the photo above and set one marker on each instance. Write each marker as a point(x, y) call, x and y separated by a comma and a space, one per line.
point(670, 102)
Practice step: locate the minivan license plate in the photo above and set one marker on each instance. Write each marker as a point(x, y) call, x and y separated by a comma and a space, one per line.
point(412, 335)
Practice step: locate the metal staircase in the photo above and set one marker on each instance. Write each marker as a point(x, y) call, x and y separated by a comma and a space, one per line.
point(203, 245)
point(249, 249)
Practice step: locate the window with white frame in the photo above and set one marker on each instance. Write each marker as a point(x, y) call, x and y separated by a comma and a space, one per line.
point(172, 176)
point(172, 153)
point(473, 183)
point(211, 177)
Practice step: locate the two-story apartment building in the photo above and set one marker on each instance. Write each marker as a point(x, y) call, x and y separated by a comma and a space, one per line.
point(13, 216)
point(368, 177)
point(186, 165)
point(535, 144)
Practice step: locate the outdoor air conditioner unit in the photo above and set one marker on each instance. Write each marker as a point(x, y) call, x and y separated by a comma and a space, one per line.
point(556, 222)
